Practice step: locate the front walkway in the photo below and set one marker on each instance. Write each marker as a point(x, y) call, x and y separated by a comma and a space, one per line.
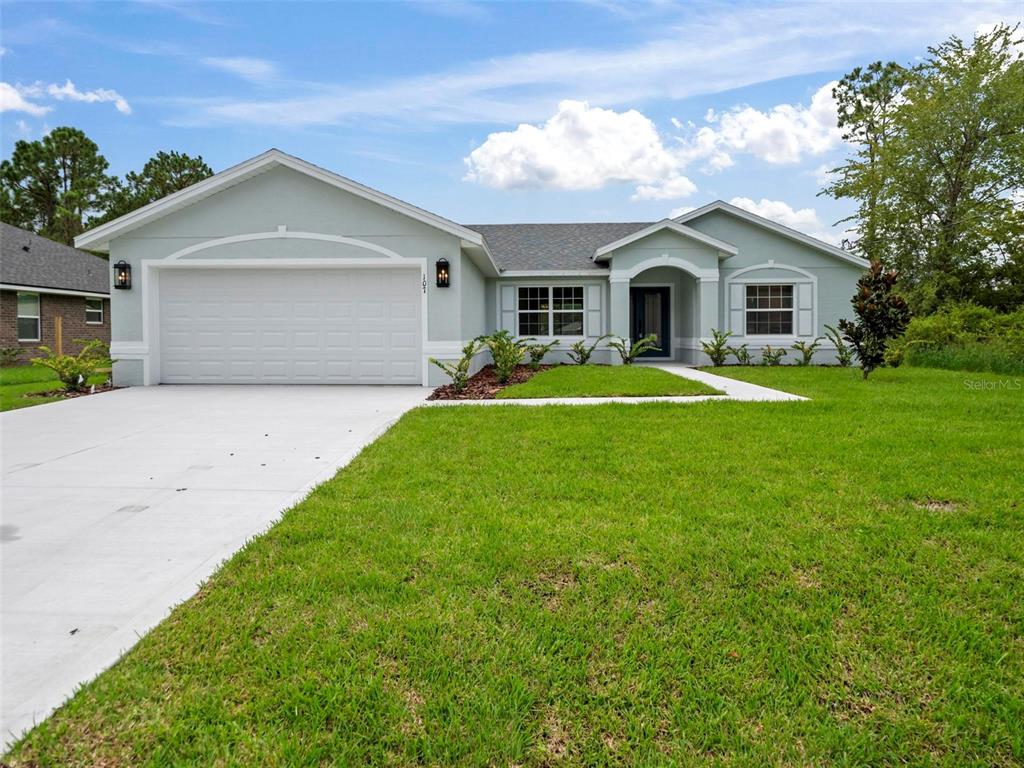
point(733, 389)
point(116, 507)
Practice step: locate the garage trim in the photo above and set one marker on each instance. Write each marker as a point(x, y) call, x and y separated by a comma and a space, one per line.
point(148, 350)
point(282, 233)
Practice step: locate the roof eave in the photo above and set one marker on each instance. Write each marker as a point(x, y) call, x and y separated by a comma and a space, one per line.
point(724, 249)
point(793, 234)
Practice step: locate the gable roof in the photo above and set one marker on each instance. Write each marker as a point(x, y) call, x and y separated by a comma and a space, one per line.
point(761, 221)
point(658, 226)
point(100, 237)
point(556, 247)
point(28, 260)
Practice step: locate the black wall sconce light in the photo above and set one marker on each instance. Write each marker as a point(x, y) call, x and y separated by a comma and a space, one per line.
point(123, 275)
point(443, 275)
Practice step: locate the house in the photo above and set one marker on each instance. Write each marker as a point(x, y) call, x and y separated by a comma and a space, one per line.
point(279, 271)
point(41, 281)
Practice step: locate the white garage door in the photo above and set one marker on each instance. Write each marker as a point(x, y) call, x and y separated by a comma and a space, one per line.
point(302, 326)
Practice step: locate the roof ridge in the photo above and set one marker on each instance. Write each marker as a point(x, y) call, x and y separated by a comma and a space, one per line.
point(557, 223)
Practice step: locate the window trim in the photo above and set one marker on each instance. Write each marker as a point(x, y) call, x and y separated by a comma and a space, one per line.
point(38, 316)
point(551, 311)
point(791, 309)
point(87, 311)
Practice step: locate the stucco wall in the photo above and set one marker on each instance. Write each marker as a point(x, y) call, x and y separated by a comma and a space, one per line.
point(835, 280)
point(595, 291)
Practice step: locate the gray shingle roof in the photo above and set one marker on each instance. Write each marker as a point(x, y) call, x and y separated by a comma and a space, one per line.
point(47, 264)
point(551, 246)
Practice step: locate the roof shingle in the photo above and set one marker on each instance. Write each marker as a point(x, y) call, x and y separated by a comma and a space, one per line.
point(552, 246)
point(31, 260)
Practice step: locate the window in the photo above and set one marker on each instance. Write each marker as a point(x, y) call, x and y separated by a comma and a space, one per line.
point(567, 311)
point(550, 311)
point(769, 310)
point(28, 317)
point(94, 311)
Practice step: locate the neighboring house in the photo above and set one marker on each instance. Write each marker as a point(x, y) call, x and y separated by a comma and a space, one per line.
point(278, 271)
point(41, 280)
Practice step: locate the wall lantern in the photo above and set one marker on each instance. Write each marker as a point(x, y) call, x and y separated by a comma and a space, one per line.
point(443, 276)
point(122, 274)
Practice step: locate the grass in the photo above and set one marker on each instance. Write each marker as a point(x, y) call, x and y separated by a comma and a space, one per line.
point(20, 380)
point(971, 356)
point(605, 381)
point(832, 582)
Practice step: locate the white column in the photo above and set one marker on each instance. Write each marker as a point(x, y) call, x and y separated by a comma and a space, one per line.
point(708, 290)
point(618, 310)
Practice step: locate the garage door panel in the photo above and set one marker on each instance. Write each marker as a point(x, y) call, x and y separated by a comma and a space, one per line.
point(305, 326)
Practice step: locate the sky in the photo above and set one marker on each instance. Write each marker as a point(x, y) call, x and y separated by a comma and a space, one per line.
point(483, 112)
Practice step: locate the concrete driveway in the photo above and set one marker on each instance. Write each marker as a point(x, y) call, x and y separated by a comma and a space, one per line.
point(116, 506)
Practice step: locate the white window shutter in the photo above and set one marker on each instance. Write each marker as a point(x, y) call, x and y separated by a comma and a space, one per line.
point(593, 308)
point(736, 308)
point(805, 322)
point(508, 308)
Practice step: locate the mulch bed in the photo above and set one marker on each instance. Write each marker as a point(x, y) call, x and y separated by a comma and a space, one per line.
point(484, 384)
point(70, 395)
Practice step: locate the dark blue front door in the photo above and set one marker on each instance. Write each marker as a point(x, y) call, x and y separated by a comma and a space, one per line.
point(649, 313)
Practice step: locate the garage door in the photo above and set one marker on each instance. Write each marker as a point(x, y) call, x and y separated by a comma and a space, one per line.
point(302, 326)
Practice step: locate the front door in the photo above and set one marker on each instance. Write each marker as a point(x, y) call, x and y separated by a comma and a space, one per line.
point(649, 313)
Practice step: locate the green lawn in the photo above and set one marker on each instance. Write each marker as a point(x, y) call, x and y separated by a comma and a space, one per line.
point(20, 380)
point(605, 381)
point(833, 582)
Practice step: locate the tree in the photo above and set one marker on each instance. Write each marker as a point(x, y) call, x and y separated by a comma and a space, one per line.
point(55, 185)
point(939, 166)
point(163, 174)
point(882, 315)
point(866, 99)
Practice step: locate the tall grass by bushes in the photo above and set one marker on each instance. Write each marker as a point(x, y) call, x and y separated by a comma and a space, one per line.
point(966, 337)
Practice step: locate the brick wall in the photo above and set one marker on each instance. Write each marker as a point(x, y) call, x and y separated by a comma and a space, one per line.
point(70, 308)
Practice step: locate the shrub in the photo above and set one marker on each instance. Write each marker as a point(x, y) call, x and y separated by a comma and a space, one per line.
point(629, 353)
point(882, 315)
point(966, 337)
point(771, 356)
point(957, 324)
point(894, 356)
point(459, 371)
point(806, 350)
point(716, 349)
point(844, 352)
point(537, 353)
point(9, 355)
point(506, 352)
point(742, 354)
point(74, 371)
point(580, 352)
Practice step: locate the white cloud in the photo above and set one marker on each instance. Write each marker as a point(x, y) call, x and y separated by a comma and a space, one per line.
point(803, 220)
point(676, 212)
point(245, 67)
point(701, 49)
point(823, 173)
point(580, 147)
point(670, 189)
point(13, 100)
point(784, 134)
point(70, 92)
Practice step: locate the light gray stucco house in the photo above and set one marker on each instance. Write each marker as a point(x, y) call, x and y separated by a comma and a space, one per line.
point(278, 271)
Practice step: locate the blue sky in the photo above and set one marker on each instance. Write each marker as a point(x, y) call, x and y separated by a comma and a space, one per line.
point(482, 112)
